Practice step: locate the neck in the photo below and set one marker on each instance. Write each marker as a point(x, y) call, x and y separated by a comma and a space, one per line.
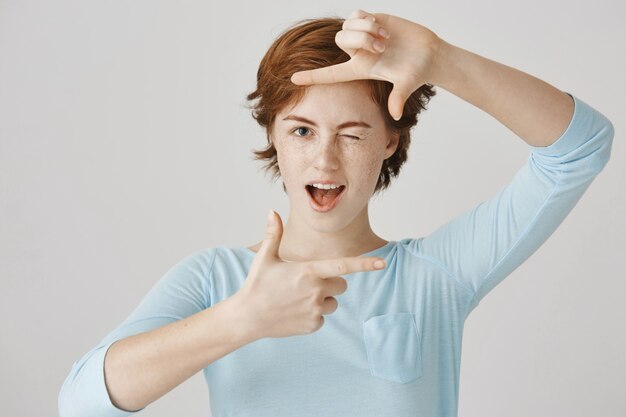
point(301, 243)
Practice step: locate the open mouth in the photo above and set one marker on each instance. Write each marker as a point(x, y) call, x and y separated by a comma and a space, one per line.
point(324, 200)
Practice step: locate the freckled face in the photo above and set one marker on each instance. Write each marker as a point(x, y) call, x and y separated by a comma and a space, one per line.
point(321, 148)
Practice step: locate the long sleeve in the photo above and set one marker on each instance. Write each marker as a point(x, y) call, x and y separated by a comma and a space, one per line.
point(481, 247)
point(181, 292)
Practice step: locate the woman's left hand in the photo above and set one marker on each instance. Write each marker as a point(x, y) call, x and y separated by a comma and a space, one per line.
point(407, 60)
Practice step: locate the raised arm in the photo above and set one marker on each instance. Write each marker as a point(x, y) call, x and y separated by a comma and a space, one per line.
point(570, 144)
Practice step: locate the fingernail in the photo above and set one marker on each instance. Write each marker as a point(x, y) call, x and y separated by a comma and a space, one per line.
point(270, 218)
point(379, 46)
point(383, 32)
point(379, 264)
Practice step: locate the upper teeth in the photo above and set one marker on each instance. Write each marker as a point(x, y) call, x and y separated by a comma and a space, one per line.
point(326, 186)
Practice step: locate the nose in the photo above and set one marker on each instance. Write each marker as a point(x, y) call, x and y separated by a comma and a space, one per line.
point(326, 158)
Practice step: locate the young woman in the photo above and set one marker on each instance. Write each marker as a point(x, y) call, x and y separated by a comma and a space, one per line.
point(305, 322)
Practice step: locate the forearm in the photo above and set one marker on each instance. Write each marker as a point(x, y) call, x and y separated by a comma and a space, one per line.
point(142, 368)
point(534, 110)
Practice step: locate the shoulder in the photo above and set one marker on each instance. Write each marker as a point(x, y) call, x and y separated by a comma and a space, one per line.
point(208, 261)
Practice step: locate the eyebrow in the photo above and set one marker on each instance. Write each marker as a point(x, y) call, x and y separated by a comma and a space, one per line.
point(341, 126)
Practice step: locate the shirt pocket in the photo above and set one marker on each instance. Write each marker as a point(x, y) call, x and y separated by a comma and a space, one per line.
point(392, 344)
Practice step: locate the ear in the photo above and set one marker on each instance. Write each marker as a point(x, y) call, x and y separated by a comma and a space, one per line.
point(392, 144)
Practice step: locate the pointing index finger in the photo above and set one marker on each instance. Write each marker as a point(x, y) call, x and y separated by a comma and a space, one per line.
point(325, 75)
point(342, 266)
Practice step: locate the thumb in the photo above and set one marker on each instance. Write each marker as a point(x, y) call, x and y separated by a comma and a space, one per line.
point(397, 98)
point(273, 235)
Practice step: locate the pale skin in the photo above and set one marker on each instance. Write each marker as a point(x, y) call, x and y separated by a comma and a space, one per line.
point(296, 271)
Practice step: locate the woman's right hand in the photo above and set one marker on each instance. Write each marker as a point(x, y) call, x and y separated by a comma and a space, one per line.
point(281, 299)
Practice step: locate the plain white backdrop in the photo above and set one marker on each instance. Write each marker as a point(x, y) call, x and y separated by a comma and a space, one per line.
point(125, 146)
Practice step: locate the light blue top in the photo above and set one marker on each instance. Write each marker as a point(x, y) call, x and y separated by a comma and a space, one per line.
point(393, 346)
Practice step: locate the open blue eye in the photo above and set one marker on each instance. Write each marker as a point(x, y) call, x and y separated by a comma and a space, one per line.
point(301, 127)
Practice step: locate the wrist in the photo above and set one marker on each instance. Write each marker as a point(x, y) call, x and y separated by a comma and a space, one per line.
point(241, 320)
point(444, 67)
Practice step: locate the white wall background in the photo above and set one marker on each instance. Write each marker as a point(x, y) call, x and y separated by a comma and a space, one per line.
point(125, 146)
